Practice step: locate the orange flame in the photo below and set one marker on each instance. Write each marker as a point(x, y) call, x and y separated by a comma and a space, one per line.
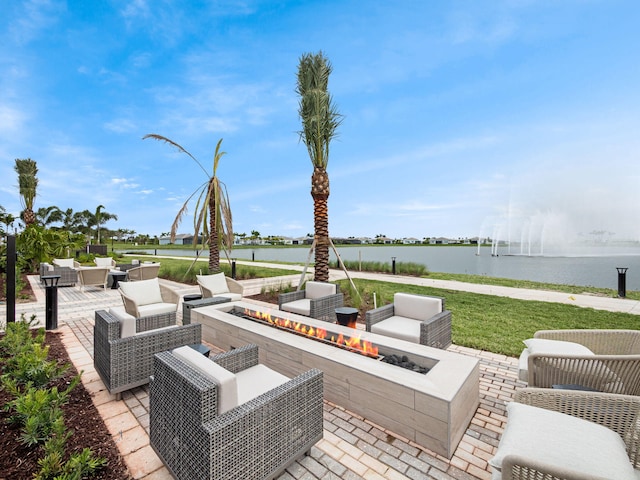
point(354, 343)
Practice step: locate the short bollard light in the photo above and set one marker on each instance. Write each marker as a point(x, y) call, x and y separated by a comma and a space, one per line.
point(233, 268)
point(622, 281)
point(393, 265)
point(51, 301)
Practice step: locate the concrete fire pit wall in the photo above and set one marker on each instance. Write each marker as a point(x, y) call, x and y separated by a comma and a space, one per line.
point(433, 410)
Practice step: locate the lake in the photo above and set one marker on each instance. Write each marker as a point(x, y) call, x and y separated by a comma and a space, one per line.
point(597, 269)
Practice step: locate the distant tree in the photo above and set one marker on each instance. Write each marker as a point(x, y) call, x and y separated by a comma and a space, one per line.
point(27, 185)
point(99, 218)
point(320, 121)
point(212, 205)
point(47, 216)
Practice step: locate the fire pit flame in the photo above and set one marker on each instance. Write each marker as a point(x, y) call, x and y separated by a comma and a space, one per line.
point(354, 343)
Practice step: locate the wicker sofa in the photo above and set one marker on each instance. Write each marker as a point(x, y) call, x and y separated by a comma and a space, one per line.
point(602, 360)
point(218, 285)
point(199, 433)
point(123, 353)
point(317, 300)
point(416, 318)
point(561, 434)
point(68, 276)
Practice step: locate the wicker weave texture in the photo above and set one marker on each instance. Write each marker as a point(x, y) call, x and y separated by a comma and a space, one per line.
point(619, 413)
point(124, 363)
point(256, 440)
point(323, 308)
point(434, 332)
point(614, 369)
point(68, 276)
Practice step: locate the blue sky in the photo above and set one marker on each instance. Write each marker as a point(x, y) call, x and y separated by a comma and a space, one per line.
point(460, 118)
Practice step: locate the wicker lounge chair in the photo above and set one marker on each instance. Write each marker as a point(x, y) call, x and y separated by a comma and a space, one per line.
point(143, 272)
point(203, 428)
point(561, 434)
point(317, 300)
point(218, 285)
point(93, 276)
point(602, 360)
point(415, 318)
point(123, 352)
point(148, 298)
point(68, 276)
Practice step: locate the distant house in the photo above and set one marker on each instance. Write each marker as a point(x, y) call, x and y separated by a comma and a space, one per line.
point(410, 241)
point(439, 241)
point(181, 239)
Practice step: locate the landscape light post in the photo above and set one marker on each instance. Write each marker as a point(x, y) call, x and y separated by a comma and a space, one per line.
point(233, 268)
point(51, 301)
point(393, 265)
point(622, 281)
point(11, 278)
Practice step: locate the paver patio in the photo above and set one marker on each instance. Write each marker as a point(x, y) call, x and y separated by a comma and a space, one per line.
point(352, 447)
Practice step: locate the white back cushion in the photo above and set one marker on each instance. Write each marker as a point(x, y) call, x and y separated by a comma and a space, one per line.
point(103, 262)
point(143, 292)
point(564, 441)
point(416, 306)
point(226, 381)
point(318, 289)
point(63, 262)
point(216, 282)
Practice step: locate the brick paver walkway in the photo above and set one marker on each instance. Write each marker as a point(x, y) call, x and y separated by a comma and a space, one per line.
point(352, 447)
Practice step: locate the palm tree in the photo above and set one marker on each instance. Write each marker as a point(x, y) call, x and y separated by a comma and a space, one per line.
point(27, 184)
point(320, 121)
point(99, 218)
point(47, 216)
point(212, 205)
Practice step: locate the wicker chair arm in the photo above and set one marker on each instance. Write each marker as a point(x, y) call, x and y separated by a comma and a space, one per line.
point(169, 295)
point(600, 342)
point(324, 308)
point(234, 286)
point(516, 467)
point(238, 359)
point(619, 413)
point(605, 373)
point(130, 305)
point(290, 297)
point(436, 332)
point(377, 315)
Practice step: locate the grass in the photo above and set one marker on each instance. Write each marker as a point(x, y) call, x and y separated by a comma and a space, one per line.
point(495, 324)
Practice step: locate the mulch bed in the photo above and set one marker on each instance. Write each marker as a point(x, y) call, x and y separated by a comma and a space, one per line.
point(80, 416)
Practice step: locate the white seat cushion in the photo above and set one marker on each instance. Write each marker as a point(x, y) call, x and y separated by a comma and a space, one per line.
point(234, 297)
point(157, 309)
point(398, 327)
point(127, 322)
point(143, 292)
point(256, 380)
point(319, 289)
point(416, 306)
point(563, 441)
point(225, 380)
point(301, 307)
point(216, 283)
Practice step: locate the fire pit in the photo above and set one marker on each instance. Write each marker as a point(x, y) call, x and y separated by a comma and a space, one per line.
point(432, 410)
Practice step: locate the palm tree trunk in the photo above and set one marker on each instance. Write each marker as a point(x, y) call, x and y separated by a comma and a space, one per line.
point(320, 194)
point(214, 248)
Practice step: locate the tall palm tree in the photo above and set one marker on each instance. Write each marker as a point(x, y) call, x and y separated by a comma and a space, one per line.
point(320, 121)
point(47, 216)
point(99, 218)
point(213, 212)
point(27, 185)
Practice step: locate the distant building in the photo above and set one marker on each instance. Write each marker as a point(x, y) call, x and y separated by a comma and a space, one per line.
point(181, 239)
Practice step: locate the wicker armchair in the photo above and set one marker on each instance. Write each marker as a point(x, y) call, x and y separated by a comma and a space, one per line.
point(256, 439)
point(124, 362)
point(68, 276)
point(105, 262)
point(149, 298)
point(415, 318)
point(602, 360)
point(93, 276)
point(143, 272)
point(217, 285)
point(317, 300)
point(549, 442)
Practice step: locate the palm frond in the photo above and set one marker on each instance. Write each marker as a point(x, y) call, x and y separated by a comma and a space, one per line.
point(160, 138)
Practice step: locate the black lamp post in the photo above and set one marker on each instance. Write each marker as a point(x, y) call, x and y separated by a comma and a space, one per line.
point(51, 299)
point(622, 281)
point(233, 268)
point(393, 265)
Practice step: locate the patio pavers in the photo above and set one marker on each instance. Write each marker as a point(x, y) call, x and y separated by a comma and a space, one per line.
point(352, 447)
